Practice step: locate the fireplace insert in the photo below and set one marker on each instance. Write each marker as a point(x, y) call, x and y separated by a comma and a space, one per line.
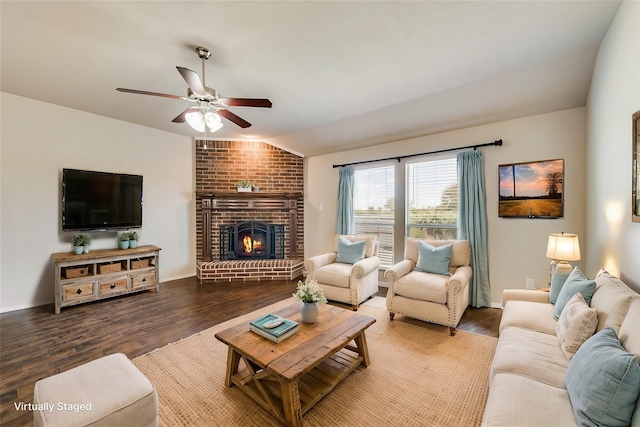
point(251, 240)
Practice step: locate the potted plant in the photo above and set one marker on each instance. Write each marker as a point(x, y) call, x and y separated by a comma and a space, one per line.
point(124, 240)
point(133, 239)
point(244, 186)
point(78, 244)
point(311, 295)
point(86, 242)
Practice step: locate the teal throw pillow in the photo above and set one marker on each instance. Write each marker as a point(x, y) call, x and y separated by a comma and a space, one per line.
point(603, 381)
point(350, 253)
point(576, 282)
point(433, 259)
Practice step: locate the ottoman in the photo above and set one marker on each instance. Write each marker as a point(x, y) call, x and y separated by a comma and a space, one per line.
point(110, 391)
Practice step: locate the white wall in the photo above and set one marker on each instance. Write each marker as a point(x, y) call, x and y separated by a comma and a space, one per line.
point(516, 246)
point(37, 141)
point(614, 241)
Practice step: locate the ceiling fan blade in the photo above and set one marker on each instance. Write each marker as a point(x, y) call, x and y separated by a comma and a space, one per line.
point(246, 102)
point(232, 117)
point(193, 81)
point(142, 92)
point(181, 117)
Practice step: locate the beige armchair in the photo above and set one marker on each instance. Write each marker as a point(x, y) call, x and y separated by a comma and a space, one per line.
point(430, 297)
point(347, 283)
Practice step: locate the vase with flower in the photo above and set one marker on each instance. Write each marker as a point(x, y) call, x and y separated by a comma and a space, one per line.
point(311, 296)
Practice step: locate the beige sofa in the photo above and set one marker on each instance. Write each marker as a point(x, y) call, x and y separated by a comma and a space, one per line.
point(347, 283)
point(430, 297)
point(527, 379)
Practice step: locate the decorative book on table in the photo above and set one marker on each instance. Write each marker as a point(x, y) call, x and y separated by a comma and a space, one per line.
point(277, 334)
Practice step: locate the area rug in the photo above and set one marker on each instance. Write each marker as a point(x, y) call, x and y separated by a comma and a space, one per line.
point(418, 376)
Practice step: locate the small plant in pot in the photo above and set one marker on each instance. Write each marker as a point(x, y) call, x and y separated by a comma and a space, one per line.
point(133, 239)
point(311, 295)
point(78, 244)
point(244, 186)
point(124, 240)
point(86, 242)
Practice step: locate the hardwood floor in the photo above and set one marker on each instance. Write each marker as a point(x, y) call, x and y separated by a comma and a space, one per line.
point(34, 343)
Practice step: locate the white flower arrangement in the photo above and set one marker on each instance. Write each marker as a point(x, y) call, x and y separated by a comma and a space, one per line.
point(309, 292)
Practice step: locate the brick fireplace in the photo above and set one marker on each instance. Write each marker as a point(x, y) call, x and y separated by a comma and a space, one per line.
point(220, 207)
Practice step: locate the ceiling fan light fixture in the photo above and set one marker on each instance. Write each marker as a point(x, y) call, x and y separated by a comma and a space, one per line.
point(213, 121)
point(195, 120)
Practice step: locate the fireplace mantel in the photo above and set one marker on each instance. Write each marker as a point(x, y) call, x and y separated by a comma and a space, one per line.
point(250, 200)
point(258, 201)
point(248, 195)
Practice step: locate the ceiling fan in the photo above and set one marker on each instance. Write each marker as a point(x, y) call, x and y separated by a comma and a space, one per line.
point(209, 105)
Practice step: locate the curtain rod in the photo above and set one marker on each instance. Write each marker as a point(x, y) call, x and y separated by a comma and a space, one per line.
point(496, 143)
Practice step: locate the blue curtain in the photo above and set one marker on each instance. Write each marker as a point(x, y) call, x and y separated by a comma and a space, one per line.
point(472, 223)
point(345, 220)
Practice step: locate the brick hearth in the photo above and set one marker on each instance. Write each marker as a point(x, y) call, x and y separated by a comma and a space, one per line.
point(252, 270)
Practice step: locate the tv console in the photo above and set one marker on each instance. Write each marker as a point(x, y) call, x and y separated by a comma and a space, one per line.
point(104, 273)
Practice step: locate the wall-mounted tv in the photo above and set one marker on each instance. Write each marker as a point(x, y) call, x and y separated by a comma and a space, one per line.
point(531, 189)
point(100, 200)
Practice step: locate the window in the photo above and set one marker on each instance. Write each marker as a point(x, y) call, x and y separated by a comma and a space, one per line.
point(432, 199)
point(373, 207)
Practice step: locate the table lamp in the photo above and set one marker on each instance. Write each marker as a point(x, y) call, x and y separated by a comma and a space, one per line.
point(562, 248)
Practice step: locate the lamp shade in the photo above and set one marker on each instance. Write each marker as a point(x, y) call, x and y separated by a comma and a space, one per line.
point(563, 247)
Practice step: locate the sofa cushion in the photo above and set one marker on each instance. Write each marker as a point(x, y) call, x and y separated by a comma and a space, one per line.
point(603, 381)
point(519, 401)
point(530, 354)
point(577, 323)
point(535, 316)
point(334, 274)
point(576, 282)
point(350, 252)
point(423, 286)
point(612, 299)
point(370, 239)
point(433, 259)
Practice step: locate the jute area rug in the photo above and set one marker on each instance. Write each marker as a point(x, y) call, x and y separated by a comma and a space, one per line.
point(419, 376)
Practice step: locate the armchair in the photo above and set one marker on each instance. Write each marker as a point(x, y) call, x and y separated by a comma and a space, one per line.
point(426, 296)
point(343, 282)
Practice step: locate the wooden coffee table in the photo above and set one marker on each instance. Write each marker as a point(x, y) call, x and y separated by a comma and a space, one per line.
point(289, 378)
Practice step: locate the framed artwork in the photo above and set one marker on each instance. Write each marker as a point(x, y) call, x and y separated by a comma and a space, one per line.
point(531, 189)
point(635, 171)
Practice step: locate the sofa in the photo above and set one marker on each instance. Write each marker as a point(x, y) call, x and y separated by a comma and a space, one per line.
point(348, 277)
point(428, 296)
point(539, 377)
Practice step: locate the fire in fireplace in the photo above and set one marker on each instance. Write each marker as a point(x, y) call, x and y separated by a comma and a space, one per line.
point(251, 240)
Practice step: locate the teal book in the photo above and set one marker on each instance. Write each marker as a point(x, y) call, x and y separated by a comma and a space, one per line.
point(277, 334)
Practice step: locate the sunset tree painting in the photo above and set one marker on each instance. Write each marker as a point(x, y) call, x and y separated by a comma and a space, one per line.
point(531, 190)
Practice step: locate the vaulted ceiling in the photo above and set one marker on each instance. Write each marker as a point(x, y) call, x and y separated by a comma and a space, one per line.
point(340, 75)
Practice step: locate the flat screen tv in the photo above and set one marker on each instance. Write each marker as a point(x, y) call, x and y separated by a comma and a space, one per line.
point(532, 189)
point(100, 200)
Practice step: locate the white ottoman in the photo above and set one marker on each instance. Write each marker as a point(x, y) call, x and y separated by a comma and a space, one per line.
point(110, 391)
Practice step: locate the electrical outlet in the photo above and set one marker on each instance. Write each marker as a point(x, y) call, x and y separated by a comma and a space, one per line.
point(531, 284)
point(321, 207)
